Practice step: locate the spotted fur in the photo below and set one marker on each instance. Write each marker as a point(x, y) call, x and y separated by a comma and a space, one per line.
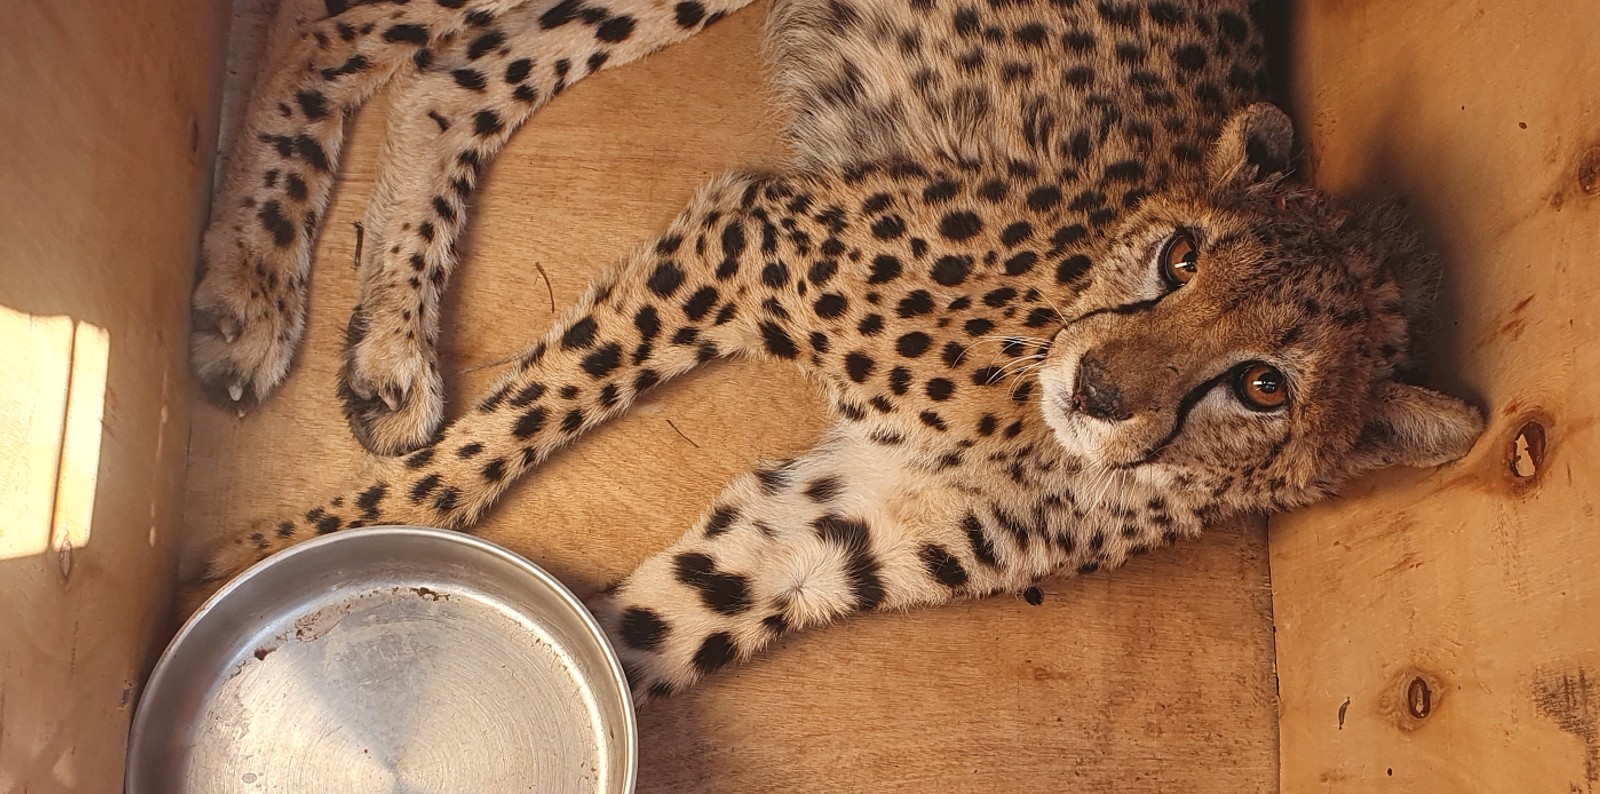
point(967, 257)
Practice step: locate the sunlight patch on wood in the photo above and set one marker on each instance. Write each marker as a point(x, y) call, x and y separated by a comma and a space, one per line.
point(51, 404)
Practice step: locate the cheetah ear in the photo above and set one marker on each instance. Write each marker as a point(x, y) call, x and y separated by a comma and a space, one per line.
point(1256, 145)
point(1413, 426)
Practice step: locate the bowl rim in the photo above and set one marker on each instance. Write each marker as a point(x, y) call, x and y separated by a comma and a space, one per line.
point(137, 728)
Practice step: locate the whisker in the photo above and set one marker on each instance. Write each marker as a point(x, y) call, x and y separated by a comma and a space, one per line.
point(1061, 316)
point(1002, 340)
point(1037, 358)
point(1022, 376)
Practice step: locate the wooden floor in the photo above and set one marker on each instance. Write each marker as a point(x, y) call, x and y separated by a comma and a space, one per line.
point(1158, 678)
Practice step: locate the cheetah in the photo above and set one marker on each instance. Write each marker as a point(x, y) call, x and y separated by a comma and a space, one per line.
point(1049, 262)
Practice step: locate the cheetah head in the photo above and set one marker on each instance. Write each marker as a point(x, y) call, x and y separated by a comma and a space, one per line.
point(1243, 334)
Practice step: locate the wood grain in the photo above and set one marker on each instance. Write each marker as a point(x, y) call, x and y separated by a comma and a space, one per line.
point(106, 116)
point(1469, 582)
point(1155, 679)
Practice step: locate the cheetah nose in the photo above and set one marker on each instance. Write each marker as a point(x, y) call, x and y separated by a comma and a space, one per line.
point(1095, 394)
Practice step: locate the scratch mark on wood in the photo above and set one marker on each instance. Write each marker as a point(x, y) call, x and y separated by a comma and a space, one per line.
point(361, 238)
point(539, 266)
point(1569, 699)
point(681, 435)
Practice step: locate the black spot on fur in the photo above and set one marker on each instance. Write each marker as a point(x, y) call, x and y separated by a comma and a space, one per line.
point(573, 421)
point(1044, 199)
point(580, 335)
point(982, 547)
point(642, 629)
point(352, 65)
point(900, 380)
point(889, 227)
point(773, 480)
point(940, 192)
point(665, 279)
point(1021, 263)
point(423, 487)
point(312, 103)
point(885, 268)
point(1190, 57)
point(518, 70)
point(915, 304)
point(960, 226)
point(487, 122)
point(494, 470)
point(723, 593)
point(485, 44)
point(689, 13)
point(913, 344)
point(446, 212)
point(527, 394)
point(722, 517)
point(824, 489)
point(530, 423)
point(1072, 268)
point(322, 521)
point(271, 215)
point(647, 322)
point(943, 566)
point(700, 303)
point(714, 653)
point(603, 362)
point(409, 34)
point(1016, 233)
point(859, 366)
point(830, 305)
point(775, 275)
point(615, 29)
point(953, 353)
point(367, 502)
point(445, 502)
point(951, 271)
point(777, 341)
point(863, 570)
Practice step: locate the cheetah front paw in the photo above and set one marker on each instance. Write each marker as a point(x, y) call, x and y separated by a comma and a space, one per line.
point(245, 326)
point(390, 385)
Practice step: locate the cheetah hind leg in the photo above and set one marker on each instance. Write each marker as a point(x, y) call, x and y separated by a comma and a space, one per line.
point(249, 301)
point(445, 125)
point(798, 544)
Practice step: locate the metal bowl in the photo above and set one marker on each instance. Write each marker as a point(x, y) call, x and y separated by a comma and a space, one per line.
point(387, 659)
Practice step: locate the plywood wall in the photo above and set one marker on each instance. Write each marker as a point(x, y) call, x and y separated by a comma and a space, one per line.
point(107, 123)
point(1440, 632)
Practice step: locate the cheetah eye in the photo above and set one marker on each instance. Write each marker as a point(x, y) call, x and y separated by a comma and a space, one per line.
point(1180, 259)
point(1261, 386)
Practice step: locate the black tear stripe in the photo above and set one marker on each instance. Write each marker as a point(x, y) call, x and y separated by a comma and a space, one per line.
point(1124, 310)
point(1185, 405)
